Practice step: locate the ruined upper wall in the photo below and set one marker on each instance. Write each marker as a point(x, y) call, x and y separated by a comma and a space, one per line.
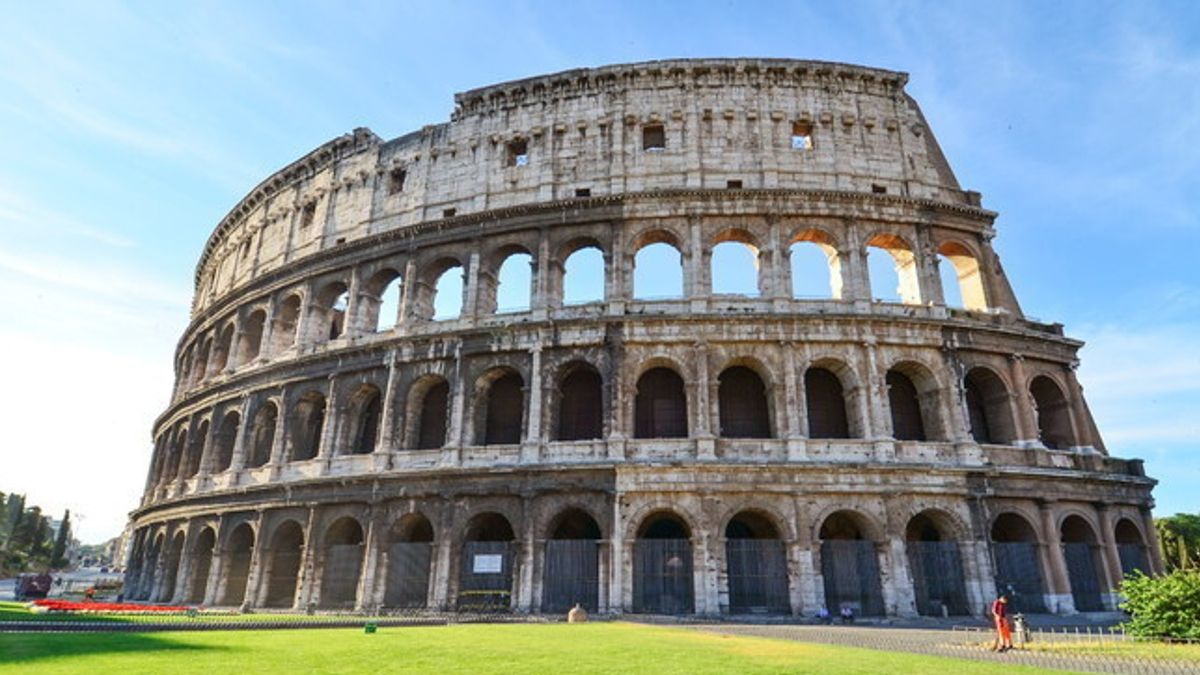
point(723, 120)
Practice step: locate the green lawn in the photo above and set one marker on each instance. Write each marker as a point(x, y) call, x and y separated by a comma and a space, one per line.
point(468, 649)
point(17, 611)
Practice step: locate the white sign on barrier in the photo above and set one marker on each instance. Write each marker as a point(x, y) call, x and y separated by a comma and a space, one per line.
point(489, 563)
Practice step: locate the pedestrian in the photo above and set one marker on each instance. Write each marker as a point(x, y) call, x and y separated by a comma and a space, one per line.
point(823, 615)
point(1003, 641)
point(847, 614)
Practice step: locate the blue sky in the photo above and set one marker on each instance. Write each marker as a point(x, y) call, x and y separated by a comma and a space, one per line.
point(128, 130)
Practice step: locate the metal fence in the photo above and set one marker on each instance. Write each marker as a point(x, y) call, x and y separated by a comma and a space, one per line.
point(339, 582)
point(571, 575)
point(1133, 557)
point(758, 580)
point(1019, 574)
point(408, 575)
point(236, 575)
point(938, 584)
point(851, 571)
point(1085, 582)
point(485, 580)
point(662, 576)
point(281, 585)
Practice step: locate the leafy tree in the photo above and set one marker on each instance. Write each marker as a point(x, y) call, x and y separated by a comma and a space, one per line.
point(1179, 537)
point(1167, 605)
point(58, 555)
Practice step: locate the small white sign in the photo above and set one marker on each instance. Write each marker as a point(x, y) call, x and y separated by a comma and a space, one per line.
point(490, 563)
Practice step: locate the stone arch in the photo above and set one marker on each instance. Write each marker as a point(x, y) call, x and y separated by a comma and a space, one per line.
point(649, 249)
point(238, 553)
point(262, 434)
point(409, 557)
point(427, 412)
point(904, 264)
point(1014, 542)
point(1081, 549)
point(500, 406)
point(808, 247)
point(251, 336)
point(365, 416)
point(342, 560)
point(660, 404)
point(1131, 547)
point(849, 562)
point(285, 330)
point(489, 556)
point(915, 402)
point(195, 450)
point(738, 250)
point(579, 402)
point(663, 581)
point(285, 555)
point(172, 569)
point(441, 289)
point(222, 349)
point(225, 441)
point(1053, 412)
point(571, 561)
point(580, 278)
point(178, 448)
point(201, 557)
point(508, 282)
point(744, 406)
point(967, 277)
point(307, 425)
point(989, 406)
point(935, 562)
point(380, 298)
point(200, 366)
point(756, 564)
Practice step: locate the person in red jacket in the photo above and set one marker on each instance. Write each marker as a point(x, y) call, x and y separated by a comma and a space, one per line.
point(1003, 641)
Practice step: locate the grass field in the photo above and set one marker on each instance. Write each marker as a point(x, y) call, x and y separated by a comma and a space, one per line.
point(474, 649)
point(17, 611)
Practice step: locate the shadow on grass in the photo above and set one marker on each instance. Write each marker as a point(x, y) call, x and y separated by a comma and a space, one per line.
point(22, 648)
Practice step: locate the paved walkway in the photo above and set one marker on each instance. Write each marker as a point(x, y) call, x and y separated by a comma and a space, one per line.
point(958, 644)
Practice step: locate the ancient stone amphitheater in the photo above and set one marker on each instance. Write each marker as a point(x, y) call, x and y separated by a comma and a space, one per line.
point(364, 418)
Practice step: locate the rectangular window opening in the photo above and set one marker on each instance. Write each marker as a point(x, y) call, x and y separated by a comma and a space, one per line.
point(878, 189)
point(396, 181)
point(654, 138)
point(733, 185)
point(449, 213)
point(583, 192)
point(517, 152)
point(802, 136)
point(308, 214)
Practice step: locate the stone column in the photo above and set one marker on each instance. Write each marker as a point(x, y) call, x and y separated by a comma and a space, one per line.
point(533, 416)
point(238, 461)
point(405, 313)
point(255, 596)
point(365, 593)
point(856, 286)
point(543, 267)
point(455, 436)
point(387, 432)
point(308, 585)
point(893, 556)
point(795, 404)
point(696, 284)
point(1080, 418)
point(1153, 549)
point(1025, 419)
point(1058, 584)
point(266, 343)
point(705, 570)
point(325, 447)
point(470, 309)
point(703, 416)
point(524, 578)
point(280, 439)
point(352, 325)
point(1110, 555)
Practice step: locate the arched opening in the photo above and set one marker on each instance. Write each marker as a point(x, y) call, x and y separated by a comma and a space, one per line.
point(734, 266)
point(308, 423)
point(988, 407)
point(1015, 556)
point(662, 566)
point(146, 588)
point(330, 311)
point(195, 450)
point(850, 566)
point(756, 562)
point(262, 435)
point(225, 441)
point(201, 557)
point(239, 551)
point(250, 342)
point(200, 367)
point(660, 406)
point(908, 419)
point(366, 406)
point(1082, 552)
point(581, 404)
point(177, 451)
point(825, 401)
point(381, 301)
point(222, 350)
point(1053, 414)
point(658, 271)
point(816, 267)
point(285, 556)
point(571, 569)
point(583, 276)
point(505, 410)
point(342, 564)
point(174, 559)
point(514, 283)
point(431, 405)
point(447, 300)
point(410, 550)
point(1131, 548)
point(742, 404)
point(962, 283)
point(892, 268)
point(488, 555)
point(936, 567)
point(287, 324)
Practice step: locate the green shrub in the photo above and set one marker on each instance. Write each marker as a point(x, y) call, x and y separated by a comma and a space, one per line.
point(1163, 606)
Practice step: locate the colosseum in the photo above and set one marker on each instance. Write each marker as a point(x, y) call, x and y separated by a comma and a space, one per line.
point(503, 362)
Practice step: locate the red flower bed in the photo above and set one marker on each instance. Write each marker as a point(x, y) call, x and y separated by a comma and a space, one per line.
point(69, 606)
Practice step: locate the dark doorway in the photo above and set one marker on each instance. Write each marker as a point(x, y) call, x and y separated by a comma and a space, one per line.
point(660, 407)
point(343, 564)
point(571, 573)
point(1081, 551)
point(580, 411)
point(239, 549)
point(850, 567)
point(431, 424)
point(826, 404)
point(408, 562)
point(936, 567)
point(486, 573)
point(287, 552)
point(1018, 571)
point(907, 421)
point(662, 567)
point(505, 410)
point(756, 562)
point(742, 401)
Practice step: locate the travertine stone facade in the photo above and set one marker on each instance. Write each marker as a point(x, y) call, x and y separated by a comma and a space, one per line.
point(707, 453)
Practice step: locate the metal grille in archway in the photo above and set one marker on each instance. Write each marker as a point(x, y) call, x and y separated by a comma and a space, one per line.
point(200, 571)
point(339, 582)
point(237, 572)
point(485, 579)
point(662, 576)
point(408, 574)
point(758, 580)
point(1133, 557)
point(1085, 582)
point(937, 573)
point(851, 571)
point(281, 586)
point(1019, 574)
point(571, 575)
